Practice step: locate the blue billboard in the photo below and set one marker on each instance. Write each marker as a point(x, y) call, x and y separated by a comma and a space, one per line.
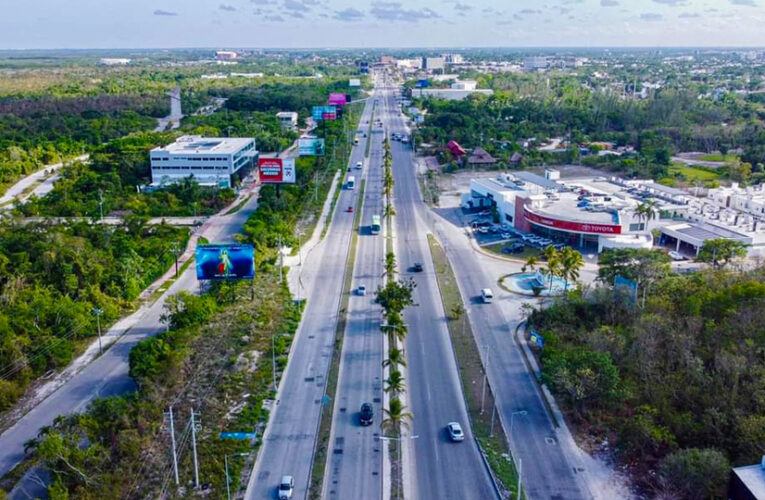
point(310, 146)
point(225, 262)
point(328, 113)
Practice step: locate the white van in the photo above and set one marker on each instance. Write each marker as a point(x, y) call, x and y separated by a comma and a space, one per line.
point(487, 295)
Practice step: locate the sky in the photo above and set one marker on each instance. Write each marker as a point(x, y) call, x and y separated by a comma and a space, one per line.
point(51, 24)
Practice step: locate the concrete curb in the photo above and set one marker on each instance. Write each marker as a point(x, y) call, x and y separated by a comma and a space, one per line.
point(485, 461)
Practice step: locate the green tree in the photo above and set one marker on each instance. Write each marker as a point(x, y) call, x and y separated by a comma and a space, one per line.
point(645, 212)
point(720, 251)
point(696, 474)
point(395, 358)
point(585, 377)
point(396, 415)
point(395, 382)
point(571, 261)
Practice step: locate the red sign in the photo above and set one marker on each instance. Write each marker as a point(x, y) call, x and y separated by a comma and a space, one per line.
point(276, 170)
point(455, 148)
point(565, 225)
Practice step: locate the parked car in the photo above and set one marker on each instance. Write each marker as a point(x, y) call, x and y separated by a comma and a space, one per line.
point(366, 414)
point(361, 290)
point(455, 432)
point(676, 255)
point(286, 486)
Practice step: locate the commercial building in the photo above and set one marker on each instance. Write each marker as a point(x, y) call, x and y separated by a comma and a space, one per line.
point(211, 161)
point(747, 483)
point(449, 94)
point(226, 55)
point(465, 85)
point(433, 63)
point(288, 119)
point(598, 214)
point(535, 63)
point(114, 61)
point(453, 58)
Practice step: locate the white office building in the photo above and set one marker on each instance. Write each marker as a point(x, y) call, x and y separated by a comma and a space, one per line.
point(288, 119)
point(211, 161)
point(535, 63)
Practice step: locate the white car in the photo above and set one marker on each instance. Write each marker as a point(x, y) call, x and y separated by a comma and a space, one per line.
point(361, 290)
point(286, 485)
point(676, 255)
point(455, 432)
point(359, 164)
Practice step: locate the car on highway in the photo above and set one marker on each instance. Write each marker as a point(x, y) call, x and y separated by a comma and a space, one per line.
point(286, 486)
point(455, 432)
point(366, 414)
point(349, 209)
point(359, 164)
point(417, 267)
point(487, 295)
point(361, 290)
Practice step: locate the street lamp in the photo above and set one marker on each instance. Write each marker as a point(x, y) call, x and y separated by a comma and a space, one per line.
point(513, 414)
point(225, 463)
point(98, 312)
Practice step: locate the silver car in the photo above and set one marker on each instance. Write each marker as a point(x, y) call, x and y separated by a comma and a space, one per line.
point(455, 432)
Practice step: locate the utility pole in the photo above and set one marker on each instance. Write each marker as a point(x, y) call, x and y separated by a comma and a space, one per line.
point(520, 467)
point(281, 259)
point(176, 251)
point(172, 443)
point(486, 369)
point(273, 358)
point(98, 312)
point(101, 204)
point(194, 449)
point(315, 186)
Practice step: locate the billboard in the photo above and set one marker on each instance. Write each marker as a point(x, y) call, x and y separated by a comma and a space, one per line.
point(422, 83)
point(565, 225)
point(337, 98)
point(328, 113)
point(354, 82)
point(310, 146)
point(276, 170)
point(455, 148)
point(225, 262)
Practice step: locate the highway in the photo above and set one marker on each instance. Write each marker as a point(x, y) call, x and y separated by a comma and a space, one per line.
point(108, 374)
point(439, 468)
point(354, 468)
point(289, 439)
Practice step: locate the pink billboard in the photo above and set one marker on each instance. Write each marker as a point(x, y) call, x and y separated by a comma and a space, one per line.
point(337, 99)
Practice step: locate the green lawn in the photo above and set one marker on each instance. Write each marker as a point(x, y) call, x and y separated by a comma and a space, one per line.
point(497, 249)
point(717, 157)
point(693, 174)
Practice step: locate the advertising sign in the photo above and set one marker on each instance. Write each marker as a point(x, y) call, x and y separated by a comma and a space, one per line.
point(536, 338)
point(238, 436)
point(310, 146)
point(328, 113)
point(337, 99)
point(577, 227)
point(225, 262)
point(276, 170)
point(422, 83)
point(354, 82)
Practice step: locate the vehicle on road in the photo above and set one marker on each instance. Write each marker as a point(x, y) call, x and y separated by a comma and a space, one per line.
point(286, 485)
point(361, 290)
point(455, 432)
point(355, 141)
point(487, 295)
point(350, 183)
point(366, 414)
point(417, 267)
point(359, 164)
point(376, 225)
point(350, 209)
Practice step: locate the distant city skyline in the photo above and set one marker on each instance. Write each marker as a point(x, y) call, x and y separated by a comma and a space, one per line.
point(49, 24)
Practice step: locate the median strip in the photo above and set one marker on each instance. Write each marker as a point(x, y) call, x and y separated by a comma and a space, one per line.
point(491, 438)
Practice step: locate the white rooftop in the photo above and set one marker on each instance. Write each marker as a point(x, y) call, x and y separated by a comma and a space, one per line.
point(197, 144)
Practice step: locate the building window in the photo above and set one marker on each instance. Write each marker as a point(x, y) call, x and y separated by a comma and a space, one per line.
point(508, 218)
point(636, 227)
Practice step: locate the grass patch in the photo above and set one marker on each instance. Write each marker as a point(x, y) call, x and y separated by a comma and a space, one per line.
point(692, 174)
point(528, 251)
point(369, 132)
point(718, 157)
point(167, 284)
point(493, 445)
point(239, 205)
point(320, 455)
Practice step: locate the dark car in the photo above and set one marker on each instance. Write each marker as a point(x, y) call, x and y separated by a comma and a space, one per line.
point(366, 414)
point(417, 267)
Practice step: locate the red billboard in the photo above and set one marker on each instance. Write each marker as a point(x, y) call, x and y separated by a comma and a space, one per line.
point(276, 170)
point(455, 148)
point(566, 225)
point(337, 99)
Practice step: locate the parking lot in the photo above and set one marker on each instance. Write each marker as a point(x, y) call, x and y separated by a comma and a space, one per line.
point(487, 233)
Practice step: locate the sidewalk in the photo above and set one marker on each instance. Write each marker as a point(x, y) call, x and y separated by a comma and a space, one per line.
point(38, 177)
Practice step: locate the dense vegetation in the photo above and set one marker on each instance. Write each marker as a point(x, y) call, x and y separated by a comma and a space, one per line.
point(53, 276)
point(672, 120)
point(39, 131)
point(675, 384)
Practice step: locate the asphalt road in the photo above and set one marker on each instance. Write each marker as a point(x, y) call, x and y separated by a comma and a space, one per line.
point(354, 468)
point(108, 375)
point(289, 439)
point(439, 468)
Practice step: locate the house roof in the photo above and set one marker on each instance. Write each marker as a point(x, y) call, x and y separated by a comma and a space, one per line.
point(480, 155)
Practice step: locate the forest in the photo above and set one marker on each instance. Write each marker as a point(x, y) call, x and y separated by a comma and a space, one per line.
point(53, 276)
point(673, 379)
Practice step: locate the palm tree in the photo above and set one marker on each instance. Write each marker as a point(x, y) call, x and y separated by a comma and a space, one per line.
point(531, 263)
point(571, 262)
point(389, 211)
point(553, 263)
point(390, 264)
point(395, 358)
point(646, 211)
point(395, 382)
point(396, 415)
point(395, 326)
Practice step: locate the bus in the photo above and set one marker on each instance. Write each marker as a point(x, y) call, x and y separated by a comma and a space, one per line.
point(351, 183)
point(375, 227)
